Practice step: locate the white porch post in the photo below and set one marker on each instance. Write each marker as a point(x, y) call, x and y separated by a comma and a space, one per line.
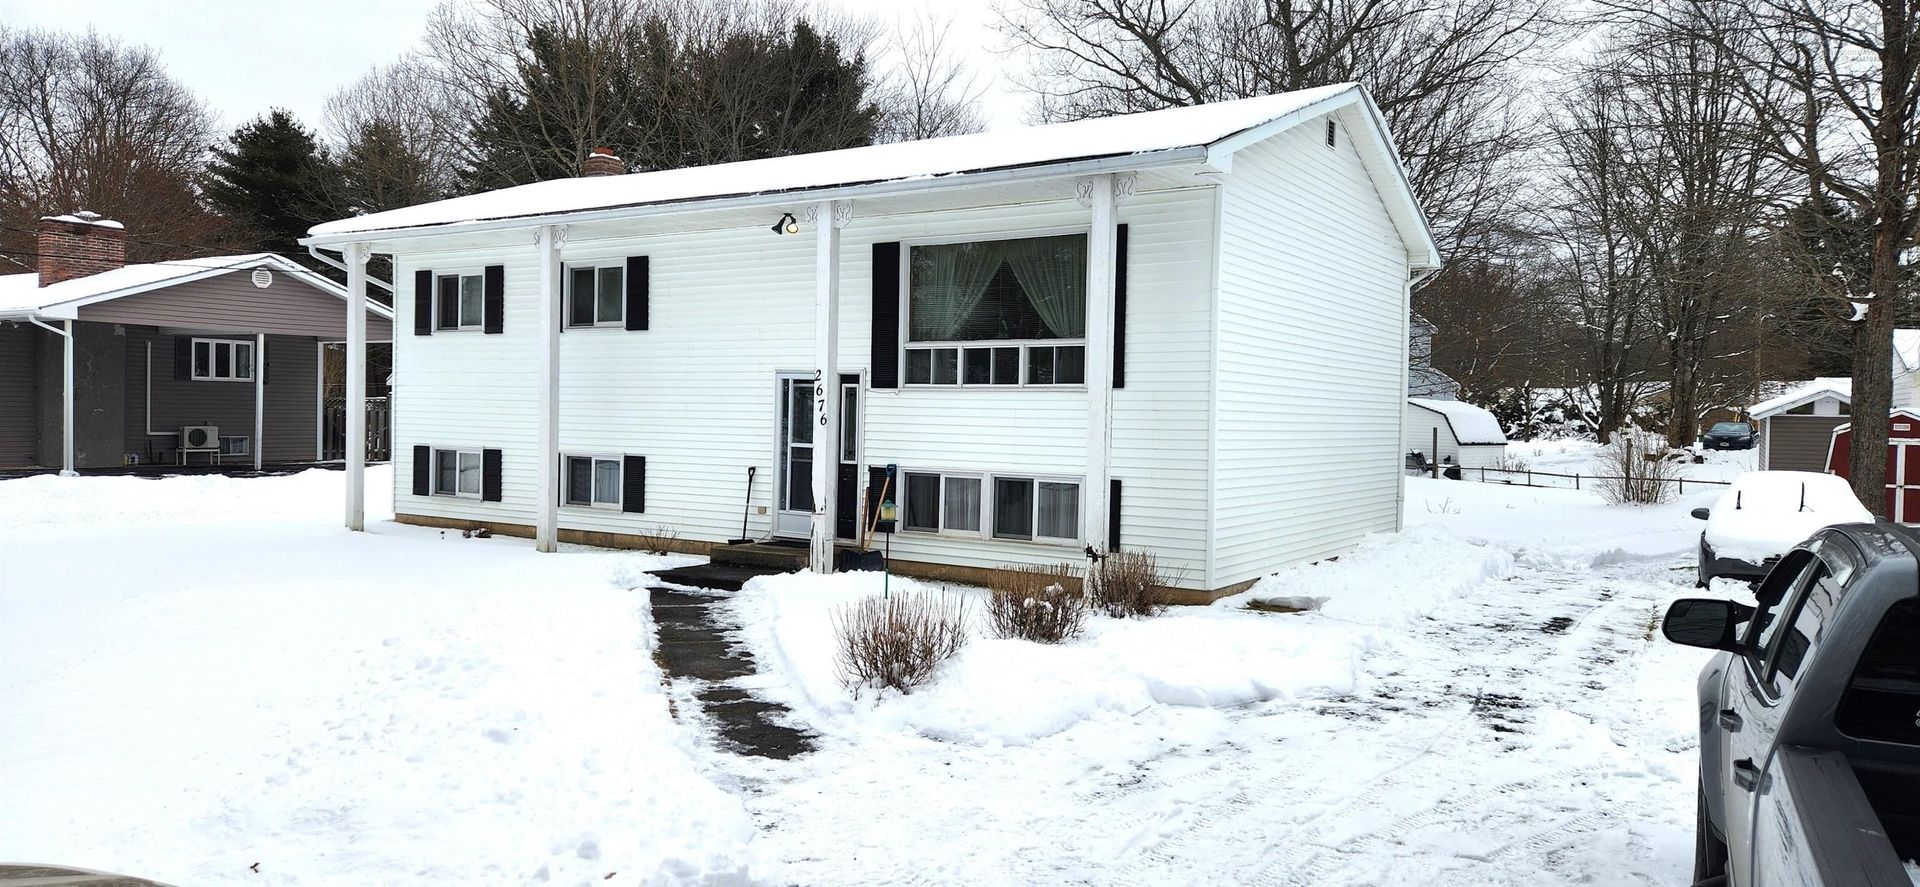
point(356, 255)
point(66, 405)
point(827, 217)
point(547, 459)
point(259, 397)
point(1097, 192)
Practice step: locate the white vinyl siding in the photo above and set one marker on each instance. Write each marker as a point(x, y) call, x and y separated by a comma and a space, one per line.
point(1312, 349)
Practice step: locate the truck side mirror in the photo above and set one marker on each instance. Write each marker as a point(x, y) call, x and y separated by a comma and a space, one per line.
point(1705, 622)
point(1702, 513)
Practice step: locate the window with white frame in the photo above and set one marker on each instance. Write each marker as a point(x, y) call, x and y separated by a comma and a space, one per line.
point(456, 473)
point(941, 503)
point(235, 445)
point(1036, 508)
point(998, 312)
point(460, 301)
point(596, 296)
point(222, 360)
point(593, 480)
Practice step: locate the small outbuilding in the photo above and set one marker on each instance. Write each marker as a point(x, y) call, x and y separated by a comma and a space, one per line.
point(1455, 431)
point(1796, 426)
point(1903, 462)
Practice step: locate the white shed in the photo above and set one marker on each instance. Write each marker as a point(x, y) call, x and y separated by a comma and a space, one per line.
point(1468, 435)
point(1110, 333)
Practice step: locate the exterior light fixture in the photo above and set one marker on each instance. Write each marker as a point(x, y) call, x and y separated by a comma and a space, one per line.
point(787, 224)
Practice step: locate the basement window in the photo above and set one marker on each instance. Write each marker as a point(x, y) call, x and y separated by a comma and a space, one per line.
point(941, 503)
point(222, 360)
point(593, 480)
point(1036, 508)
point(456, 473)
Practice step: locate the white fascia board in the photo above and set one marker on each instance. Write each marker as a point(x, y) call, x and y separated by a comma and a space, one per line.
point(1089, 166)
point(70, 309)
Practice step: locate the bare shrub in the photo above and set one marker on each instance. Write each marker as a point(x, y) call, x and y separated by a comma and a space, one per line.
point(1124, 583)
point(1637, 470)
point(1042, 604)
point(662, 539)
point(898, 641)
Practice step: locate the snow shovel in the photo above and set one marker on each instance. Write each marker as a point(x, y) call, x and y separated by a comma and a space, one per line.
point(745, 508)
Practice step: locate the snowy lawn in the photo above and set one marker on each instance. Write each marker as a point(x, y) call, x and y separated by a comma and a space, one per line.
point(201, 674)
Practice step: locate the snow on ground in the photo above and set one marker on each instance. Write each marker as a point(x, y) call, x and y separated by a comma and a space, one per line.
point(1584, 457)
point(1479, 700)
point(203, 673)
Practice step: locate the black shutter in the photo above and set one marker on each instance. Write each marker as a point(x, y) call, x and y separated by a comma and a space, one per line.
point(182, 357)
point(1120, 308)
point(1113, 514)
point(422, 470)
point(423, 303)
point(886, 316)
point(876, 478)
point(489, 475)
point(638, 287)
point(494, 300)
point(633, 474)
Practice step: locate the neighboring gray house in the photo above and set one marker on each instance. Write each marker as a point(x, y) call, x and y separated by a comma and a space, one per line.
point(1423, 381)
point(1796, 426)
point(223, 353)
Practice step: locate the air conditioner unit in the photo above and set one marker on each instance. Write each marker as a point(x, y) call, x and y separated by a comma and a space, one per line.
point(200, 437)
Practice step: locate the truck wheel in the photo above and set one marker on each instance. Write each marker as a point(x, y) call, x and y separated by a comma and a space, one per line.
point(1709, 852)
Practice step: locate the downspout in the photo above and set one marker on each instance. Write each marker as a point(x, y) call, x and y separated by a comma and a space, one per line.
point(66, 392)
point(331, 262)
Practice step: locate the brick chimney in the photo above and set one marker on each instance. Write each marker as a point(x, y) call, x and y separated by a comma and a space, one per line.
point(602, 161)
point(79, 244)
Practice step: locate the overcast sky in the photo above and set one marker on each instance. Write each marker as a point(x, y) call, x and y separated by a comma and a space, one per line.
point(244, 56)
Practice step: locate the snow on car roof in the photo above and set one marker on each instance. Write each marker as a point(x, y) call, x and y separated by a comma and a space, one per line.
point(1470, 424)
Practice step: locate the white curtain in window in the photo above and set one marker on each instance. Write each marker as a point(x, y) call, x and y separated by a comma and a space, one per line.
point(1053, 271)
point(962, 503)
point(946, 283)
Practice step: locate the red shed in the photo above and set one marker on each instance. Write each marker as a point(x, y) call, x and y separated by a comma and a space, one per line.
point(1903, 462)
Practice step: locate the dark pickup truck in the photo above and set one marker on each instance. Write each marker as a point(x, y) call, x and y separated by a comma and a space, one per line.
point(1810, 716)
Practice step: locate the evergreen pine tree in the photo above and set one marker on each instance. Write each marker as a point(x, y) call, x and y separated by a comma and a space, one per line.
point(273, 178)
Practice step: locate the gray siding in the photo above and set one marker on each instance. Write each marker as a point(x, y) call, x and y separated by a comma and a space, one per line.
point(290, 398)
point(98, 361)
point(231, 303)
point(19, 397)
point(1799, 443)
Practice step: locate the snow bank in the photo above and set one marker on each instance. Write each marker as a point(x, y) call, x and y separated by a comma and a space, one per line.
point(1389, 579)
point(242, 681)
point(1765, 513)
point(1014, 692)
point(1913, 872)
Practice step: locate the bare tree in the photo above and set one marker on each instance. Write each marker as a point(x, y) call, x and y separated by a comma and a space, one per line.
point(930, 91)
point(89, 123)
point(396, 134)
point(1447, 75)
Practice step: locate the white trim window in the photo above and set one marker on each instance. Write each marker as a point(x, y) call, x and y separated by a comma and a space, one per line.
point(593, 481)
point(1040, 509)
point(596, 296)
point(459, 301)
point(934, 502)
point(236, 445)
point(222, 360)
point(456, 473)
point(997, 312)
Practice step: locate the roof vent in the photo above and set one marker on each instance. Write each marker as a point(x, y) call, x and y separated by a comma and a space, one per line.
point(262, 278)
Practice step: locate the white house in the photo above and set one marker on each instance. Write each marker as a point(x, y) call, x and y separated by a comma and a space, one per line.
point(1455, 432)
point(1181, 331)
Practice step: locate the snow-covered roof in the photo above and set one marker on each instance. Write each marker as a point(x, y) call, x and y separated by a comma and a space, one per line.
point(21, 295)
point(1471, 425)
point(1171, 136)
point(1807, 392)
point(1906, 349)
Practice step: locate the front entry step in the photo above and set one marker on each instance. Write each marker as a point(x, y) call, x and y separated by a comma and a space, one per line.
point(773, 557)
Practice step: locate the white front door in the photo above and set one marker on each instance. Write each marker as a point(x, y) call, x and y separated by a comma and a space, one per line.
point(793, 494)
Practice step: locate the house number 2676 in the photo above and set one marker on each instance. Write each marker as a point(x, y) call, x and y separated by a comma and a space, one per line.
point(820, 405)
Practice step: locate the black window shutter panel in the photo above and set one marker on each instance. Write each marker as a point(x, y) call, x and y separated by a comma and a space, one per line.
point(489, 475)
point(423, 303)
point(494, 299)
point(876, 478)
point(1113, 514)
point(633, 481)
point(422, 469)
point(182, 357)
point(1120, 308)
point(638, 289)
point(886, 315)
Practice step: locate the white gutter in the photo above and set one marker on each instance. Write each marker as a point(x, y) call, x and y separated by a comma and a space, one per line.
point(314, 251)
point(1120, 163)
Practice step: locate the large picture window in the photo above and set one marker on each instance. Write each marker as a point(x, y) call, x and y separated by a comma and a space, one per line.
point(998, 312)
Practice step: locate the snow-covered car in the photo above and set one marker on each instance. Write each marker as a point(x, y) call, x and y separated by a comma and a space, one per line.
point(1728, 436)
point(1763, 514)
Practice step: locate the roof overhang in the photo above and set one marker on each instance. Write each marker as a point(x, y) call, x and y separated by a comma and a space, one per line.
point(1770, 408)
point(70, 309)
